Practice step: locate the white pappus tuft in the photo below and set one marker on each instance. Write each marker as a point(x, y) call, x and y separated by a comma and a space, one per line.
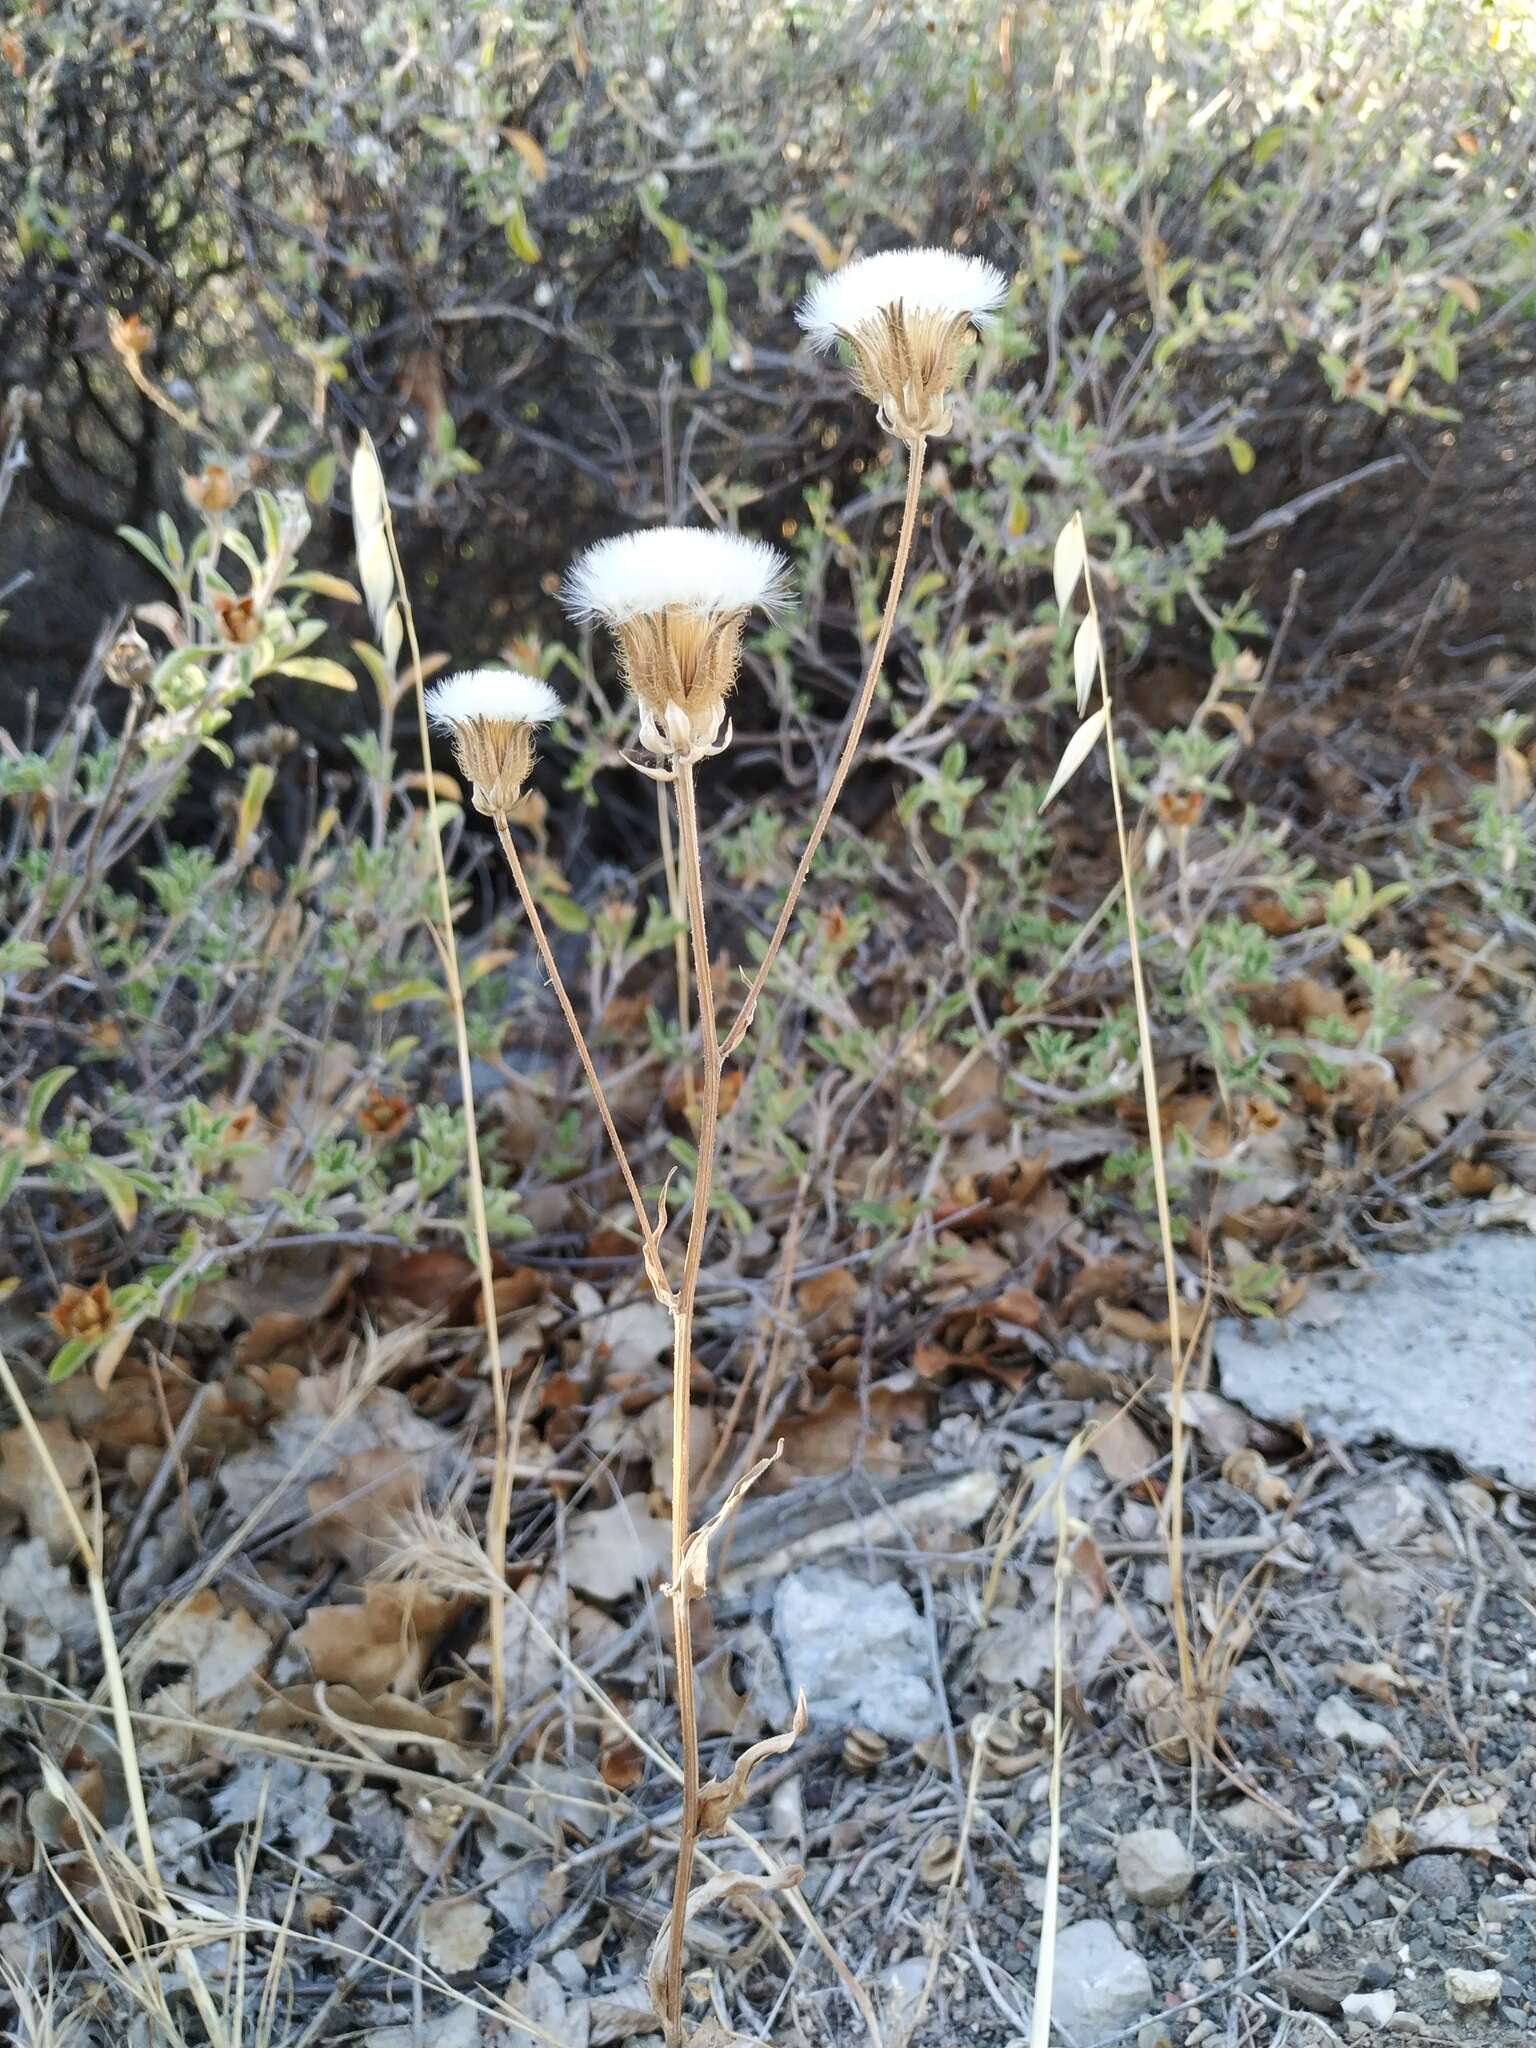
point(687, 568)
point(918, 280)
point(501, 695)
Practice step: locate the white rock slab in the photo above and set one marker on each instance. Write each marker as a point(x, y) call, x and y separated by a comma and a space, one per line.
point(1436, 1351)
point(859, 1652)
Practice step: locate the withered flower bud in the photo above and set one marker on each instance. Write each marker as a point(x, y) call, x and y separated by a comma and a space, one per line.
point(129, 662)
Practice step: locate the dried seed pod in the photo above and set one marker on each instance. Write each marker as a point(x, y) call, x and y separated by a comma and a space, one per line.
point(1029, 1715)
point(936, 1863)
point(128, 661)
point(1247, 1471)
point(1003, 1749)
point(1156, 1699)
point(864, 1751)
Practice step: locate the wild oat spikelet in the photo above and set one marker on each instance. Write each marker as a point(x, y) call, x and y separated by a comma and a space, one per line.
point(906, 315)
point(491, 714)
point(676, 599)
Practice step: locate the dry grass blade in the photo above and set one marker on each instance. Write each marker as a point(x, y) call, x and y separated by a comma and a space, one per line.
point(1045, 1967)
point(122, 1717)
point(375, 520)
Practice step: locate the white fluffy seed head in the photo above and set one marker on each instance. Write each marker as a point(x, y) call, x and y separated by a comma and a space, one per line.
point(693, 569)
point(502, 696)
point(938, 281)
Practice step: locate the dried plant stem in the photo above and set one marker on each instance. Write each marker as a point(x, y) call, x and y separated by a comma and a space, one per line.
point(567, 1010)
point(916, 452)
point(500, 1509)
point(1176, 1352)
point(712, 1062)
point(680, 941)
point(90, 1551)
point(1045, 1968)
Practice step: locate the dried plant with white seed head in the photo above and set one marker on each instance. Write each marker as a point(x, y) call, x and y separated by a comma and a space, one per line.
point(906, 315)
point(491, 714)
point(676, 599)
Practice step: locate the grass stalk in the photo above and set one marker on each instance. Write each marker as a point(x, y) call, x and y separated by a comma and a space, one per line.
point(500, 1508)
point(1176, 1353)
point(578, 1039)
point(916, 454)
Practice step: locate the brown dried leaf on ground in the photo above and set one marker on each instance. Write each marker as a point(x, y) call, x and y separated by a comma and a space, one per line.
point(27, 1485)
point(555, 2016)
point(307, 1283)
point(331, 1418)
point(385, 1725)
point(542, 1608)
point(630, 1335)
point(455, 1934)
point(829, 1304)
point(827, 1439)
point(969, 1268)
point(1122, 1447)
point(1444, 1072)
point(1380, 1681)
point(222, 1650)
point(44, 1600)
point(382, 1645)
point(609, 1552)
point(1473, 1829)
point(358, 1506)
point(653, 1433)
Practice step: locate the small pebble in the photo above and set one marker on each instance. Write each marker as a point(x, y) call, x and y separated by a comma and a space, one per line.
point(1473, 1987)
point(1375, 2008)
point(1154, 1867)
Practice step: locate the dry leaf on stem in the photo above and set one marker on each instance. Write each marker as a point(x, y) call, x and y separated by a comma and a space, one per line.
point(752, 1889)
point(719, 1798)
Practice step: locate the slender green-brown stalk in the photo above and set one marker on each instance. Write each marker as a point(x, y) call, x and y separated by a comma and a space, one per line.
point(712, 1063)
point(1176, 1352)
point(578, 1039)
point(499, 1512)
point(916, 451)
point(680, 940)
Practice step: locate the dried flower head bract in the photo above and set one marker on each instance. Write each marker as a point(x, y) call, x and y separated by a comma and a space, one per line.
point(677, 599)
point(906, 315)
point(490, 714)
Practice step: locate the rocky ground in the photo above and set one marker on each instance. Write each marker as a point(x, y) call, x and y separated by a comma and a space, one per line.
point(1333, 1843)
